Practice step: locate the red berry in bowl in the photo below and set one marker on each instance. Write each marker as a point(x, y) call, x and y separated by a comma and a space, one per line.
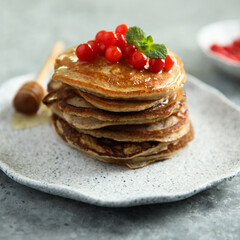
point(218, 49)
point(138, 60)
point(113, 53)
point(156, 64)
point(169, 62)
point(121, 40)
point(85, 52)
point(109, 38)
point(236, 43)
point(122, 28)
point(99, 35)
point(215, 47)
point(128, 50)
point(95, 46)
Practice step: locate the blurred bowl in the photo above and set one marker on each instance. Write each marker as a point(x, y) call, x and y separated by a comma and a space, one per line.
point(223, 32)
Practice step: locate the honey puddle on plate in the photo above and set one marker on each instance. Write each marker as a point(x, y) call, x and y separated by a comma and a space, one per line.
point(20, 121)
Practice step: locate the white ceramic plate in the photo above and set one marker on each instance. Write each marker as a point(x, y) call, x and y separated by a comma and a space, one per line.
point(39, 159)
point(222, 32)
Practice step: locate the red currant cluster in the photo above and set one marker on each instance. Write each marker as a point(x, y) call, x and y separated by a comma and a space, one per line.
point(113, 46)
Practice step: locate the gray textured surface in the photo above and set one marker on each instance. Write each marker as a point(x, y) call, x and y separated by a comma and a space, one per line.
point(28, 30)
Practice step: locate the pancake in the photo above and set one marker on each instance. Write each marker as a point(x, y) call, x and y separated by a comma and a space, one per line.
point(123, 105)
point(133, 155)
point(113, 105)
point(117, 80)
point(88, 125)
point(90, 122)
point(145, 132)
point(151, 132)
point(54, 85)
point(75, 110)
point(143, 161)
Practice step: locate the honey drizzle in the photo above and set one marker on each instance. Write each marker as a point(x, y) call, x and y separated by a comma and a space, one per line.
point(21, 122)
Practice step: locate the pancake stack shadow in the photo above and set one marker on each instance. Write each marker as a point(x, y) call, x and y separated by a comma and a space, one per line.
point(95, 112)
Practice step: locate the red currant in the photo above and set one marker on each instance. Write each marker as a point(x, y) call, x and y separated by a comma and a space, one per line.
point(122, 28)
point(95, 46)
point(85, 52)
point(236, 43)
point(99, 35)
point(121, 40)
point(156, 64)
point(169, 62)
point(109, 38)
point(128, 50)
point(218, 49)
point(102, 49)
point(138, 60)
point(113, 53)
point(215, 47)
point(229, 49)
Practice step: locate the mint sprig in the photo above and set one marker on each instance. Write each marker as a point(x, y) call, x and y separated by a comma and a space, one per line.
point(135, 35)
point(145, 44)
point(156, 51)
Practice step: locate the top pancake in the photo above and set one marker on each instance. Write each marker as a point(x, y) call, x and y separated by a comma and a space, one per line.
point(117, 80)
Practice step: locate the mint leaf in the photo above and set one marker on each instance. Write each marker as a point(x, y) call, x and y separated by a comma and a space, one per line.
point(141, 46)
point(135, 35)
point(149, 39)
point(144, 43)
point(156, 51)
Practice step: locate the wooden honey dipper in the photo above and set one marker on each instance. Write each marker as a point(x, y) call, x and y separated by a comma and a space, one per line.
point(29, 97)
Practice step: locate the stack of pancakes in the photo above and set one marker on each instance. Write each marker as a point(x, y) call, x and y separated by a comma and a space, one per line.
point(116, 113)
